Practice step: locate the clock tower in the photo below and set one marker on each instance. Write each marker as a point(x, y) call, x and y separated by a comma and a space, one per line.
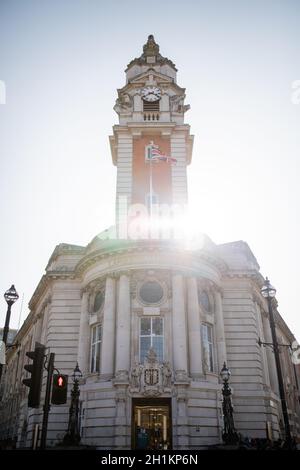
point(151, 145)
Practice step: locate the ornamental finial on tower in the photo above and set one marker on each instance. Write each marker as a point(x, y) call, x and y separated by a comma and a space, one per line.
point(151, 55)
point(151, 48)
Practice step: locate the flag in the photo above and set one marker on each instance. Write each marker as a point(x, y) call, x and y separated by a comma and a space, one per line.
point(149, 155)
point(154, 154)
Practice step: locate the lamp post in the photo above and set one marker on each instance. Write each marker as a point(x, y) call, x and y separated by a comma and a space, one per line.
point(268, 292)
point(229, 434)
point(11, 296)
point(73, 435)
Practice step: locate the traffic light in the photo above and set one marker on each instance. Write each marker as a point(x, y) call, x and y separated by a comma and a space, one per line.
point(59, 389)
point(36, 370)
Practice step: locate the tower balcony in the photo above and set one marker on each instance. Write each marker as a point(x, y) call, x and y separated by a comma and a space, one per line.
point(151, 116)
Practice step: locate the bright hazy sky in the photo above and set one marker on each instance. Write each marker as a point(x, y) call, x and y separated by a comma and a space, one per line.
point(62, 61)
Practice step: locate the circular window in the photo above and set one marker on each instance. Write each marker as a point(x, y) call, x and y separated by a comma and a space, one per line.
point(151, 292)
point(98, 301)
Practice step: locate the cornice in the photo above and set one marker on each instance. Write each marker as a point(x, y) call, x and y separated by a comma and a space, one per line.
point(45, 283)
point(283, 326)
point(245, 274)
point(130, 247)
point(41, 287)
point(63, 249)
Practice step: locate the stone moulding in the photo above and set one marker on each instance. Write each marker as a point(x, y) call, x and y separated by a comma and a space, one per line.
point(188, 258)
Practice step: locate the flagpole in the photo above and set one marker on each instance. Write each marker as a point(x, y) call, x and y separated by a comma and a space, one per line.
point(151, 190)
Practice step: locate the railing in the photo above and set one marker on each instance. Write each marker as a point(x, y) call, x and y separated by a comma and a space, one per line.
point(151, 116)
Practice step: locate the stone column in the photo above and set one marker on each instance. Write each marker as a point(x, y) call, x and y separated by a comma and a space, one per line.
point(270, 354)
point(45, 323)
point(219, 331)
point(120, 419)
point(84, 336)
point(179, 327)
point(182, 418)
point(194, 329)
point(108, 331)
point(123, 328)
point(38, 331)
point(266, 375)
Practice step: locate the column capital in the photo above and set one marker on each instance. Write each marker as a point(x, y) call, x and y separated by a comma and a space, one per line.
point(85, 291)
point(191, 278)
point(124, 272)
point(181, 377)
point(218, 291)
point(121, 378)
point(46, 303)
point(258, 300)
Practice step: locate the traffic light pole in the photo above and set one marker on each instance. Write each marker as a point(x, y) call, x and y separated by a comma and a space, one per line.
point(46, 408)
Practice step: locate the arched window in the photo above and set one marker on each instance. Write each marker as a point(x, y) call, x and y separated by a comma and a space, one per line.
point(204, 300)
point(99, 299)
point(96, 339)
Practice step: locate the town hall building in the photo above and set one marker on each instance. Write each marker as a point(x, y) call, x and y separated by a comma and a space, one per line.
point(149, 318)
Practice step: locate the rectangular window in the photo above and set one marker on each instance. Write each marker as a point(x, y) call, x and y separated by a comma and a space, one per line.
point(96, 337)
point(207, 339)
point(152, 336)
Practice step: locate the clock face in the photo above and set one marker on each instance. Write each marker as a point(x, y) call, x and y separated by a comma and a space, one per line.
point(151, 93)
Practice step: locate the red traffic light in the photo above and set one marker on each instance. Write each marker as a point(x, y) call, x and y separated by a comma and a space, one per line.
point(59, 389)
point(60, 381)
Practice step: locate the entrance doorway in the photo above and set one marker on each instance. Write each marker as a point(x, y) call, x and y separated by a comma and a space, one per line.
point(151, 423)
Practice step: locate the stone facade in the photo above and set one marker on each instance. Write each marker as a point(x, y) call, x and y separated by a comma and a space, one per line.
point(151, 322)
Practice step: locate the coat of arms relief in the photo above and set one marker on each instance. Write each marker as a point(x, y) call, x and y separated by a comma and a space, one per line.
point(151, 378)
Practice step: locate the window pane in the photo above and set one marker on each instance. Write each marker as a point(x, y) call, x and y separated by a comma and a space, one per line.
point(209, 333)
point(98, 301)
point(204, 300)
point(158, 346)
point(97, 358)
point(211, 361)
point(145, 346)
point(93, 334)
point(157, 326)
point(151, 292)
point(204, 333)
point(99, 332)
point(93, 359)
point(145, 326)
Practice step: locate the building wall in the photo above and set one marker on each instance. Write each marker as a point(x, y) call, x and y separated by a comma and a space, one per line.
point(63, 318)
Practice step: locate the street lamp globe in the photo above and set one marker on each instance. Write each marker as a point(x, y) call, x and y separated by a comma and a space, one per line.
point(267, 289)
point(225, 373)
point(77, 374)
point(11, 295)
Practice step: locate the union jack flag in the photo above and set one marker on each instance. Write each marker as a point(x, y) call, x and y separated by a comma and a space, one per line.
point(154, 154)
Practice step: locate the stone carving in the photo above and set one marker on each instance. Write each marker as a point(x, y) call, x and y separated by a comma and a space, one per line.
point(166, 375)
point(151, 356)
point(151, 378)
point(176, 104)
point(151, 48)
point(124, 104)
point(181, 376)
point(136, 373)
point(121, 376)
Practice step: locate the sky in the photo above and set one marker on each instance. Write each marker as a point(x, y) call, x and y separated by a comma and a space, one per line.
point(61, 63)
